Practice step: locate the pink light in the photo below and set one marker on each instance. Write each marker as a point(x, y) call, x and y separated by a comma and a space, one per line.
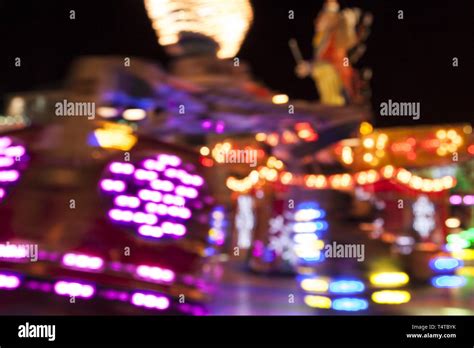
point(162, 185)
point(121, 168)
point(468, 199)
point(6, 162)
point(113, 185)
point(82, 261)
point(13, 151)
point(5, 142)
point(172, 228)
point(148, 175)
point(13, 251)
point(143, 218)
point(121, 215)
point(197, 181)
point(65, 288)
point(150, 231)
point(9, 281)
point(186, 191)
point(2, 193)
point(150, 301)
point(153, 165)
point(149, 195)
point(127, 201)
point(172, 199)
point(455, 200)
point(155, 273)
point(159, 209)
point(9, 175)
point(171, 160)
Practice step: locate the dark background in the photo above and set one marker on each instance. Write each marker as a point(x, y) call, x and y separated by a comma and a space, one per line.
point(411, 58)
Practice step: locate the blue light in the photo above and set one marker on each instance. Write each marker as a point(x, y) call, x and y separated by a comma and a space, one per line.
point(349, 304)
point(446, 281)
point(321, 225)
point(346, 286)
point(307, 205)
point(445, 264)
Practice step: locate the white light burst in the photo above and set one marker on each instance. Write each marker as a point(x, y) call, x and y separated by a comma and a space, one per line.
point(225, 21)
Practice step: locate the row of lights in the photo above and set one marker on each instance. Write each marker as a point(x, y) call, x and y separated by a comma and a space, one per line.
point(343, 181)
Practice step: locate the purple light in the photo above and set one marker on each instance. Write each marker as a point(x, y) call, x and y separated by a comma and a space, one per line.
point(121, 168)
point(151, 301)
point(76, 289)
point(2, 193)
point(6, 162)
point(188, 192)
point(13, 251)
point(13, 151)
point(150, 231)
point(150, 195)
point(174, 229)
point(155, 273)
point(455, 200)
point(82, 261)
point(111, 185)
point(9, 175)
point(148, 175)
point(121, 215)
point(207, 124)
point(9, 281)
point(171, 160)
point(127, 201)
point(468, 199)
point(5, 142)
point(151, 164)
point(176, 200)
point(162, 185)
point(144, 218)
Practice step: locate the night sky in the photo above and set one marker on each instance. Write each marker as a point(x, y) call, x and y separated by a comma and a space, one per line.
point(411, 58)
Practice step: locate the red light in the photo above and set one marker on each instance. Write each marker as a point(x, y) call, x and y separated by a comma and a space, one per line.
point(206, 162)
point(470, 149)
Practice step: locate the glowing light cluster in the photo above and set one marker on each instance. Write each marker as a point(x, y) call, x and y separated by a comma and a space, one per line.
point(307, 227)
point(82, 261)
point(458, 200)
point(155, 273)
point(218, 223)
point(13, 160)
point(343, 181)
point(153, 196)
point(9, 281)
point(76, 289)
point(150, 301)
point(226, 22)
point(389, 279)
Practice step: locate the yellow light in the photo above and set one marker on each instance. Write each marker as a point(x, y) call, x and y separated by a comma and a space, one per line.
point(451, 134)
point(389, 279)
point(204, 151)
point(226, 22)
point(115, 136)
point(368, 143)
point(286, 178)
point(107, 111)
point(388, 171)
point(346, 155)
point(368, 157)
point(464, 254)
point(280, 99)
point(365, 128)
point(441, 134)
point(448, 182)
point(260, 137)
point(391, 297)
point(315, 284)
point(134, 114)
point(452, 223)
point(467, 129)
point(317, 301)
point(466, 271)
point(272, 139)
